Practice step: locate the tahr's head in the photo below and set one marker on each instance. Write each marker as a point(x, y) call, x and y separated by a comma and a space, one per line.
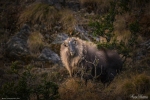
point(72, 46)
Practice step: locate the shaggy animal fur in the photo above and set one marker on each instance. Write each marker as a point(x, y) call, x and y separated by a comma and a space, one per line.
point(89, 62)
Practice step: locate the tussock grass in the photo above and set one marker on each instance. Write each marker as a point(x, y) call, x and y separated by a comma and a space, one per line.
point(120, 28)
point(54, 73)
point(124, 35)
point(140, 39)
point(75, 89)
point(136, 84)
point(142, 83)
point(49, 16)
point(35, 42)
point(120, 22)
point(39, 13)
point(67, 19)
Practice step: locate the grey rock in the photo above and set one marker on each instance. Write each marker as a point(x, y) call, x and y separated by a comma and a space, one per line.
point(73, 5)
point(146, 44)
point(49, 55)
point(139, 55)
point(60, 38)
point(144, 50)
point(17, 45)
point(58, 6)
point(82, 33)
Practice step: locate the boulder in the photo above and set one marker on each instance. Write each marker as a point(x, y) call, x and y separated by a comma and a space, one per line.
point(143, 51)
point(73, 5)
point(17, 47)
point(82, 33)
point(60, 38)
point(50, 56)
point(85, 35)
point(146, 44)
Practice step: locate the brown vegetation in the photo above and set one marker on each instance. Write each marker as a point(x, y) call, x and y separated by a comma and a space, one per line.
point(39, 13)
point(36, 42)
point(74, 89)
point(67, 20)
point(49, 16)
point(136, 84)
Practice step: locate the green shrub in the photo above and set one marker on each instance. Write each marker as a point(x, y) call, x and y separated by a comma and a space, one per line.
point(104, 27)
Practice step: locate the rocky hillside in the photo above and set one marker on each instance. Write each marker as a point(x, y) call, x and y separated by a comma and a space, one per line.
point(31, 32)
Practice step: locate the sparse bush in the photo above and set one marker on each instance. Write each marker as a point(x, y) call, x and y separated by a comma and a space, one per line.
point(98, 6)
point(124, 6)
point(119, 46)
point(27, 85)
point(104, 27)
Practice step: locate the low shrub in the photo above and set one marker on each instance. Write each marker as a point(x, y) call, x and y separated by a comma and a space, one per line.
point(27, 86)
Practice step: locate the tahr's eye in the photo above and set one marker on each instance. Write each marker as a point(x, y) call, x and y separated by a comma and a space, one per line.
point(74, 42)
point(65, 44)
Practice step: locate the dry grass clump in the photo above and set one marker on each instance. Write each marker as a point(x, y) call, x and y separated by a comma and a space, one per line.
point(67, 20)
point(58, 75)
point(39, 13)
point(35, 42)
point(49, 16)
point(124, 35)
point(142, 83)
point(54, 73)
point(75, 89)
point(138, 84)
point(120, 22)
point(120, 28)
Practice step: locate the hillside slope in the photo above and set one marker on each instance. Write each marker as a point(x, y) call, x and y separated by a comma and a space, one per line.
point(31, 32)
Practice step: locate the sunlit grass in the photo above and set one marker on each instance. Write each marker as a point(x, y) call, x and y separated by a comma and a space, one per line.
point(35, 42)
point(39, 13)
point(75, 89)
point(68, 20)
point(136, 84)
